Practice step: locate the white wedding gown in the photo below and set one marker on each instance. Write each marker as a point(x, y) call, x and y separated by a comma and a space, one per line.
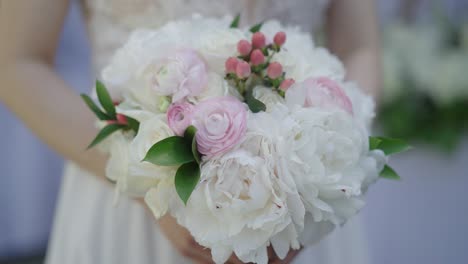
point(88, 229)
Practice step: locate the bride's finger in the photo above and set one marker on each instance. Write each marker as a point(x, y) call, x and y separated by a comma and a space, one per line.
point(272, 258)
point(199, 254)
point(288, 259)
point(234, 260)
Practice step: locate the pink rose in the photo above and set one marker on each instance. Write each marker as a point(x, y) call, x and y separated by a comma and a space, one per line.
point(179, 117)
point(221, 124)
point(319, 92)
point(180, 75)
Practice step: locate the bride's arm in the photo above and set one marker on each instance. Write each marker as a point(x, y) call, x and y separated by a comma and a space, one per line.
point(31, 88)
point(352, 30)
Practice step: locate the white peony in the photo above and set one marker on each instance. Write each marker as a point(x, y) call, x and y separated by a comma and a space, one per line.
point(334, 150)
point(238, 206)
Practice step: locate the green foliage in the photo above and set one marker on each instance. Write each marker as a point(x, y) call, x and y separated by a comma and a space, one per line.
point(235, 22)
point(96, 110)
point(133, 124)
point(388, 145)
point(416, 117)
point(175, 151)
point(171, 151)
point(253, 103)
point(105, 99)
point(186, 180)
point(104, 133)
point(256, 27)
point(189, 135)
point(389, 173)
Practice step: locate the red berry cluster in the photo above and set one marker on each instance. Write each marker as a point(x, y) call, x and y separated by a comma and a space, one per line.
point(254, 61)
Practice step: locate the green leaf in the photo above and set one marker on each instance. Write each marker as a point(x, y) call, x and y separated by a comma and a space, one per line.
point(254, 104)
point(97, 111)
point(105, 132)
point(186, 180)
point(389, 173)
point(389, 145)
point(133, 124)
point(235, 22)
point(105, 99)
point(256, 27)
point(374, 143)
point(189, 135)
point(171, 151)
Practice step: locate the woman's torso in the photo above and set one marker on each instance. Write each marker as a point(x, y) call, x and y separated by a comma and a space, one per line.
point(111, 21)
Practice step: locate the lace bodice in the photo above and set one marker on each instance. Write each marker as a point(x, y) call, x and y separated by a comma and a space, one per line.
point(111, 21)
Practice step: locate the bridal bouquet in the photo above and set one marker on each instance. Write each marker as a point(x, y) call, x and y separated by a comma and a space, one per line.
point(249, 137)
point(426, 85)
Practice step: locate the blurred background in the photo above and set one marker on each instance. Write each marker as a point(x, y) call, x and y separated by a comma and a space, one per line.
point(421, 219)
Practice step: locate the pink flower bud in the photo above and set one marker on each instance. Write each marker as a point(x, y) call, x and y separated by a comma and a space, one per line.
point(286, 84)
point(274, 70)
point(257, 57)
point(280, 38)
point(258, 40)
point(179, 117)
point(231, 64)
point(244, 47)
point(243, 69)
point(121, 119)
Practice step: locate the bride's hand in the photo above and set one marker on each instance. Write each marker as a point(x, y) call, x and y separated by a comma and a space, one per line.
point(273, 259)
point(185, 243)
point(188, 247)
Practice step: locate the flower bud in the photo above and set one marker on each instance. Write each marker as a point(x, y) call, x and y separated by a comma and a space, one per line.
point(164, 103)
point(244, 47)
point(257, 57)
point(280, 38)
point(286, 84)
point(121, 119)
point(231, 64)
point(258, 40)
point(243, 69)
point(274, 70)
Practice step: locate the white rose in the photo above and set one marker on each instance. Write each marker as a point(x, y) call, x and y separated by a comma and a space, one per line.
point(218, 45)
point(267, 96)
point(117, 146)
point(163, 198)
point(117, 165)
point(145, 174)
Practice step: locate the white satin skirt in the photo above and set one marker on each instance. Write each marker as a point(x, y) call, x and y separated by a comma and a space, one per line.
point(90, 229)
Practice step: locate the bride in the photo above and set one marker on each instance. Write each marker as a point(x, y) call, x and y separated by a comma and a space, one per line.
point(88, 228)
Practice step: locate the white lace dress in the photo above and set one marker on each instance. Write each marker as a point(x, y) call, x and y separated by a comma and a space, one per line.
point(88, 229)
